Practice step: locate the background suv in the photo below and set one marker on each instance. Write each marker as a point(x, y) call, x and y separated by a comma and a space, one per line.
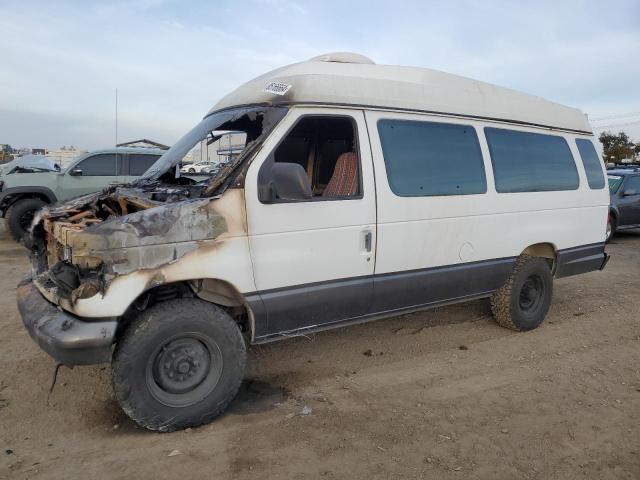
point(624, 187)
point(23, 194)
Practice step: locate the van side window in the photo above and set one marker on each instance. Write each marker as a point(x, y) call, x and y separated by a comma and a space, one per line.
point(429, 159)
point(327, 149)
point(591, 162)
point(530, 162)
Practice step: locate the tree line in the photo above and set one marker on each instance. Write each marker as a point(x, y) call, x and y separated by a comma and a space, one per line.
point(618, 147)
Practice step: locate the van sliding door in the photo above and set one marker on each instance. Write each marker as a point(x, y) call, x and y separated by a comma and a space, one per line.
point(435, 239)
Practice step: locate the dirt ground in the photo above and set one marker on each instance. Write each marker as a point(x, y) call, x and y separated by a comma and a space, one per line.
point(440, 394)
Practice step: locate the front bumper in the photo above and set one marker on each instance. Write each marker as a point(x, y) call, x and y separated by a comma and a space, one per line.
point(67, 338)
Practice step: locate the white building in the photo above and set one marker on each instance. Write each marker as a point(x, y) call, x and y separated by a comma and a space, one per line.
point(63, 156)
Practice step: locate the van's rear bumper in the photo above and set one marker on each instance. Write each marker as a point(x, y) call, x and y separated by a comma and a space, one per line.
point(587, 258)
point(65, 337)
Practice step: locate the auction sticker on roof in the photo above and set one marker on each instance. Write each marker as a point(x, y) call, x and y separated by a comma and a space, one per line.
point(277, 88)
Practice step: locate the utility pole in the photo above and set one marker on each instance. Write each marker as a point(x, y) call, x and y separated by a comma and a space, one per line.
point(116, 117)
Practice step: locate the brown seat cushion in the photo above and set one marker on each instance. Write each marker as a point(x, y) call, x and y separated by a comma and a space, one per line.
point(344, 181)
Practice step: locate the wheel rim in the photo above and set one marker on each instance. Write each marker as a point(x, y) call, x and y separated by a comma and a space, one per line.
point(184, 370)
point(609, 229)
point(531, 293)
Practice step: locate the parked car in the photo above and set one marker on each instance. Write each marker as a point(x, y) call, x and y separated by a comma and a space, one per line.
point(22, 195)
point(213, 169)
point(624, 189)
point(202, 167)
point(346, 205)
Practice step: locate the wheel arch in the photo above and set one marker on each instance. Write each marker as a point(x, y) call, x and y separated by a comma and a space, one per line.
point(544, 250)
point(15, 194)
point(212, 290)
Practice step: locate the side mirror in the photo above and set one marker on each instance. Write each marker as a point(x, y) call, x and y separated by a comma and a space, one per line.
point(629, 192)
point(76, 172)
point(285, 181)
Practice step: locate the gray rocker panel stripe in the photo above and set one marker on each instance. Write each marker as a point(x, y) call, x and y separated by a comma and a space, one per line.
point(582, 259)
point(321, 305)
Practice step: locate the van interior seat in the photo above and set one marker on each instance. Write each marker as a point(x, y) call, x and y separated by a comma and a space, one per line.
point(344, 181)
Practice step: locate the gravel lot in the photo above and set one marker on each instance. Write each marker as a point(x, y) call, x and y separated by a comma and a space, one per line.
point(440, 394)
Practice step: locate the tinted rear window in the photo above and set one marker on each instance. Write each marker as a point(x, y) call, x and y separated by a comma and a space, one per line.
point(428, 159)
point(530, 162)
point(591, 162)
point(140, 163)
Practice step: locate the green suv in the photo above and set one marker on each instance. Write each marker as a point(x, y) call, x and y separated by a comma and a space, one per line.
point(23, 194)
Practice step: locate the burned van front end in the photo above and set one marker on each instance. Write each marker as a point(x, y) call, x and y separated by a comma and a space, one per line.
point(101, 259)
point(87, 272)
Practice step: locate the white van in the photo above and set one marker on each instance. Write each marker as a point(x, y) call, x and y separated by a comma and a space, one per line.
point(364, 191)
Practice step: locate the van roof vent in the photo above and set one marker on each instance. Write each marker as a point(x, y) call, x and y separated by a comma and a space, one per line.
point(343, 57)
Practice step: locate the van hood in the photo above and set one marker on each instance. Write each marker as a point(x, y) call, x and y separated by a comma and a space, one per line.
point(121, 217)
point(79, 247)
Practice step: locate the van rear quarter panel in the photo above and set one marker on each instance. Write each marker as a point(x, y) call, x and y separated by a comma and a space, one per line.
point(426, 232)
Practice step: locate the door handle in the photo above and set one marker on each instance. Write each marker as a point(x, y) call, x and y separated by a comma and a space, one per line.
point(368, 237)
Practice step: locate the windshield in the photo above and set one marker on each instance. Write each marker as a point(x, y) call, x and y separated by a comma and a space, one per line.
point(614, 183)
point(221, 140)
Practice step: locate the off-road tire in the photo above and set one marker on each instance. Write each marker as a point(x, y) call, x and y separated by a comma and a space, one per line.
point(147, 341)
point(506, 303)
point(17, 211)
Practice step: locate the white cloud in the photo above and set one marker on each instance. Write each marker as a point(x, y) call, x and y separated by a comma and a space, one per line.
point(171, 60)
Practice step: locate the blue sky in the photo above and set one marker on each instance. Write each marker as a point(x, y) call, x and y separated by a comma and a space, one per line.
point(171, 61)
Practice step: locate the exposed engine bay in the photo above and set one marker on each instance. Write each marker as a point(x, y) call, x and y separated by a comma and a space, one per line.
point(56, 231)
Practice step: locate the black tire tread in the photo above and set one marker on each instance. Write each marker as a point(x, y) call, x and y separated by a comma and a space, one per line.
point(501, 298)
point(15, 230)
point(123, 358)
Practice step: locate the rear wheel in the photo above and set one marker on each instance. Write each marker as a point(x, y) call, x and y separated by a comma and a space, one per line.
point(179, 364)
point(524, 300)
point(20, 215)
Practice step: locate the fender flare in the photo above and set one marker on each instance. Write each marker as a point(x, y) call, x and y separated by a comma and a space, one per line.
point(12, 194)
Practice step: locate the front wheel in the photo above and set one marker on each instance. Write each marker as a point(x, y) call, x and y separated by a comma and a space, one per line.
point(523, 301)
point(21, 214)
point(178, 365)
